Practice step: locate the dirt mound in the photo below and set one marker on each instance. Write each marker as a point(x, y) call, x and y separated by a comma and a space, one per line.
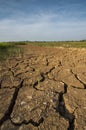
point(44, 89)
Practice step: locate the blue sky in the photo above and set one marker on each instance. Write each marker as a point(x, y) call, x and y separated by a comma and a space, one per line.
point(51, 20)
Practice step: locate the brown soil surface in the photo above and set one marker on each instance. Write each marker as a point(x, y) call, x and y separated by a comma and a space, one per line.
point(44, 89)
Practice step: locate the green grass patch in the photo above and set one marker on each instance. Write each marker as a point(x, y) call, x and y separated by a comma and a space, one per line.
point(8, 50)
point(79, 44)
point(67, 44)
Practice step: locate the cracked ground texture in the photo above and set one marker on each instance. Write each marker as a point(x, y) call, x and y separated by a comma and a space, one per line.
point(44, 89)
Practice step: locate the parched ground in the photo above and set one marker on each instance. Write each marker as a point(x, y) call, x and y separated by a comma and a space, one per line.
point(44, 89)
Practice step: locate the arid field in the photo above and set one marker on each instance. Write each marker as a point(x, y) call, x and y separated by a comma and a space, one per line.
point(43, 88)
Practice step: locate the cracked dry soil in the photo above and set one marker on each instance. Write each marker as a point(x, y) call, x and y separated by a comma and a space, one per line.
point(44, 89)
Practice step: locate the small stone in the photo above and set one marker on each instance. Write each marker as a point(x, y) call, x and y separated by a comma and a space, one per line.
point(44, 103)
point(1, 115)
point(16, 120)
point(84, 107)
point(21, 128)
point(85, 128)
point(29, 97)
point(23, 103)
point(51, 100)
point(28, 107)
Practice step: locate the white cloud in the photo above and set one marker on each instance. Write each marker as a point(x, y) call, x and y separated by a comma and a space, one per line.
point(44, 26)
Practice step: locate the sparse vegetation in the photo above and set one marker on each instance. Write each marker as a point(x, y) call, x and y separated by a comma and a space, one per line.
point(8, 50)
point(12, 48)
point(77, 44)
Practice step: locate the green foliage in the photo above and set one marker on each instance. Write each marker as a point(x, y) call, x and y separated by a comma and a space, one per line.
point(68, 44)
point(8, 50)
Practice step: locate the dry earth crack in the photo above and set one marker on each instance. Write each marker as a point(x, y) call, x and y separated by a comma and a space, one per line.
point(44, 89)
point(62, 110)
point(76, 76)
point(12, 103)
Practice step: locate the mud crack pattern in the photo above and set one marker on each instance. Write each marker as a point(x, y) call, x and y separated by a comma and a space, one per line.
point(44, 89)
